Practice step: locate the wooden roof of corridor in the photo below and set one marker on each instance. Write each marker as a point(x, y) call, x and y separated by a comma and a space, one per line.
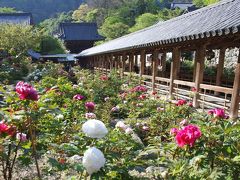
point(218, 19)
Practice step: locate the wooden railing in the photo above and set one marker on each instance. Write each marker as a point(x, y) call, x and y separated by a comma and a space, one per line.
point(182, 89)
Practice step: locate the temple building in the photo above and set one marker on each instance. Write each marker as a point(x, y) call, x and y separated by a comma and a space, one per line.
point(79, 36)
point(16, 18)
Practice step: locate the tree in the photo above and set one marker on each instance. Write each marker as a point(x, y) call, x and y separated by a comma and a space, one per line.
point(113, 27)
point(143, 21)
point(17, 39)
point(51, 45)
point(201, 3)
point(166, 14)
point(51, 26)
point(80, 14)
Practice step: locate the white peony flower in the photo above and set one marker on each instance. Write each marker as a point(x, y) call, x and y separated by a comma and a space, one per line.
point(93, 160)
point(94, 128)
point(59, 117)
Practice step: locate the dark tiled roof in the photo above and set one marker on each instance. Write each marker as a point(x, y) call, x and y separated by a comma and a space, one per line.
point(215, 20)
point(79, 31)
point(182, 1)
point(16, 18)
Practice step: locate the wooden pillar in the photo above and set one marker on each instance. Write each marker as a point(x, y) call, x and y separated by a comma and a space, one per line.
point(131, 62)
point(194, 66)
point(124, 58)
point(154, 68)
point(174, 68)
point(143, 62)
point(235, 94)
point(200, 58)
point(163, 64)
point(111, 62)
point(220, 67)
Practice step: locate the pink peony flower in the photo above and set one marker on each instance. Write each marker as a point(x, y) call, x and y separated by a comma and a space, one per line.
point(78, 97)
point(115, 109)
point(104, 78)
point(26, 91)
point(218, 113)
point(174, 131)
point(193, 89)
point(90, 116)
point(188, 135)
point(181, 102)
point(139, 89)
point(121, 125)
point(90, 106)
point(21, 137)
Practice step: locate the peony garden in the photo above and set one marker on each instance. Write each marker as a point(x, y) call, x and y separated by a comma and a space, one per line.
point(86, 125)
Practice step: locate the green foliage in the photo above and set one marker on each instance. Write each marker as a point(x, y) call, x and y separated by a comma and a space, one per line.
point(51, 45)
point(51, 26)
point(17, 39)
point(113, 27)
point(166, 14)
point(201, 3)
point(143, 21)
point(7, 10)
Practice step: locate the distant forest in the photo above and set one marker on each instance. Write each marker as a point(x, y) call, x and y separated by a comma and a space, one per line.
point(42, 9)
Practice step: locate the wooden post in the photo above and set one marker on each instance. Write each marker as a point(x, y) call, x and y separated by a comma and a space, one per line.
point(131, 61)
point(154, 68)
point(174, 68)
point(194, 66)
point(200, 58)
point(220, 67)
point(163, 64)
point(123, 63)
point(235, 94)
point(143, 62)
point(111, 62)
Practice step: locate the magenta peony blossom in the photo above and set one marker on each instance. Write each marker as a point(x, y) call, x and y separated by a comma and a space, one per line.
point(90, 106)
point(181, 102)
point(21, 137)
point(218, 112)
point(104, 78)
point(188, 135)
point(26, 91)
point(3, 127)
point(78, 97)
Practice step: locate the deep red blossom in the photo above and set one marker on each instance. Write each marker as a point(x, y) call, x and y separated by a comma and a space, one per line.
point(142, 96)
point(26, 91)
point(6, 129)
point(181, 102)
point(90, 106)
point(78, 97)
point(3, 127)
point(188, 135)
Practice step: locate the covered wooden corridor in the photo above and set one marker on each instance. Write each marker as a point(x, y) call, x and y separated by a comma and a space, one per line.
point(199, 33)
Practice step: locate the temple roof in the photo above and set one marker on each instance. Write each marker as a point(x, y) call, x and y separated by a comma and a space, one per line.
point(79, 31)
point(16, 18)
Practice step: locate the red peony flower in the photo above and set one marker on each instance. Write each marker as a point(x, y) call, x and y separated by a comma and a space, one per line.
point(193, 89)
point(142, 96)
point(181, 102)
point(139, 89)
point(90, 106)
point(219, 113)
point(26, 91)
point(188, 135)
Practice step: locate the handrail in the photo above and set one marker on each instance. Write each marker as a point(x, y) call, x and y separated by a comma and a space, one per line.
point(162, 79)
point(216, 88)
point(184, 83)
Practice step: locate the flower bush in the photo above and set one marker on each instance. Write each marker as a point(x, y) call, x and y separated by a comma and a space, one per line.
point(52, 124)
